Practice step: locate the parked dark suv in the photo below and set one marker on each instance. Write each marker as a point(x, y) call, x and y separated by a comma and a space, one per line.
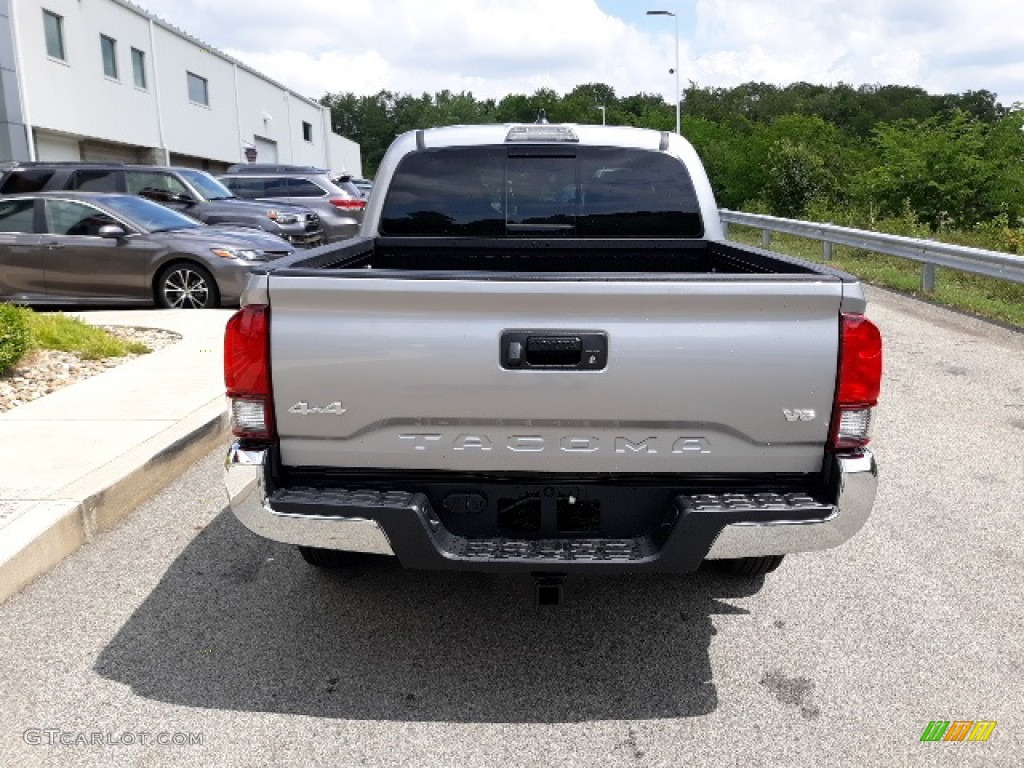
point(192, 192)
point(338, 201)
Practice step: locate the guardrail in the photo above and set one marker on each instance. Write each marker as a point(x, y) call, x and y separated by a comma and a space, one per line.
point(929, 253)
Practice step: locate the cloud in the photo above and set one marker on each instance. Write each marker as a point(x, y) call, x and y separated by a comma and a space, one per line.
point(496, 47)
point(492, 47)
point(940, 46)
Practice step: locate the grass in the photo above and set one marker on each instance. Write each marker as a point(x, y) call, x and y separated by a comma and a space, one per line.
point(68, 334)
point(987, 297)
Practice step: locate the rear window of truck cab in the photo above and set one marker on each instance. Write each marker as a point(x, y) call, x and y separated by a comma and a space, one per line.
point(540, 190)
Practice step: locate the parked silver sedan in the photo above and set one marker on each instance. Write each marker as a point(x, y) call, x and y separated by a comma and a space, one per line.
point(96, 248)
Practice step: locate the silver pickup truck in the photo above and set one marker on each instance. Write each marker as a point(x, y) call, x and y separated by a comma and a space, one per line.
point(540, 355)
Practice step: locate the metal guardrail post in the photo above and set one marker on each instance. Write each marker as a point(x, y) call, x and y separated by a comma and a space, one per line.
point(928, 278)
point(766, 238)
point(725, 230)
point(826, 254)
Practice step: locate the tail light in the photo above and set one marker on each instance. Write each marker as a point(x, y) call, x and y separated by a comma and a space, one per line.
point(247, 372)
point(348, 204)
point(858, 382)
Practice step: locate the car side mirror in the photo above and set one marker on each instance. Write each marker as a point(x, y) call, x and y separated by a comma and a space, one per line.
point(112, 231)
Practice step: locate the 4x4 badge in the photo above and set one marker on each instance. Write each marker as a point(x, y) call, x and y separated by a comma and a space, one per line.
point(302, 408)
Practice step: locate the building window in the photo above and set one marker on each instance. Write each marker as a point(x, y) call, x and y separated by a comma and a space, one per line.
point(307, 132)
point(108, 46)
point(139, 67)
point(53, 26)
point(198, 90)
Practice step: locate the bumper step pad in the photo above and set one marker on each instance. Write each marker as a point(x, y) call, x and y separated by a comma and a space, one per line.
point(337, 502)
point(800, 503)
point(607, 550)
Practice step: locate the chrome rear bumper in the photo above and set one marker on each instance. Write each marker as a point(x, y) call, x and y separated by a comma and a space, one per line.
point(855, 481)
point(246, 485)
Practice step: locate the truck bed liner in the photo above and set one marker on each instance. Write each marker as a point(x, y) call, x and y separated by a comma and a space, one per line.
point(521, 258)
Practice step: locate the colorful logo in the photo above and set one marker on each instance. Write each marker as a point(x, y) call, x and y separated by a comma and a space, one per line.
point(958, 730)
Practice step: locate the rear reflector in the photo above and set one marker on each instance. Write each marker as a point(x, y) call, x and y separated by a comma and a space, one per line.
point(854, 428)
point(347, 204)
point(247, 372)
point(249, 418)
point(858, 384)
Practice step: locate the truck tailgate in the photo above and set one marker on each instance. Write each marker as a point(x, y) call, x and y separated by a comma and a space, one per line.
point(701, 376)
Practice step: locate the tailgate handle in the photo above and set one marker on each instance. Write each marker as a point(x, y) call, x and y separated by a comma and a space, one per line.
point(565, 350)
point(560, 351)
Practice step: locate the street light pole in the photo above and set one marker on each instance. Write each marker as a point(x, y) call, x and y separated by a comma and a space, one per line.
point(675, 18)
point(602, 113)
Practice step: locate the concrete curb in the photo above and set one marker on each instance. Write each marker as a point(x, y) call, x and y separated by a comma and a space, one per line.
point(36, 542)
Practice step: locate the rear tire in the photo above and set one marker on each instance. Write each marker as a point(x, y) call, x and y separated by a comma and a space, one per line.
point(184, 285)
point(749, 567)
point(327, 558)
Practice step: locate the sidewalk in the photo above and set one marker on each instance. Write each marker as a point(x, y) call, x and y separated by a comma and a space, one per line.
point(76, 462)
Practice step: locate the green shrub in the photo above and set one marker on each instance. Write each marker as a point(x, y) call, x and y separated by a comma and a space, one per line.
point(55, 330)
point(15, 337)
point(798, 176)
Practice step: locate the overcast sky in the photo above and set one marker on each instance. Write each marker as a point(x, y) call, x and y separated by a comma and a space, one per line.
point(497, 47)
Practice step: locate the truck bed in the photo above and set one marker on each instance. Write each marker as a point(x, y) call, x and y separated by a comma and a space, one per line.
point(524, 259)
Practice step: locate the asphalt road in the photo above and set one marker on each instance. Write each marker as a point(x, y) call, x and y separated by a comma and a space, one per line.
point(181, 622)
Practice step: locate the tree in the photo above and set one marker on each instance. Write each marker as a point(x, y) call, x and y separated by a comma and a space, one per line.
point(367, 120)
point(645, 110)
point(549, 101)
point(797, 176)
point(956, 157)
point(515, 108)
point(733, 161)
point(936, 165)
point(981, 105)
point(1004, 150)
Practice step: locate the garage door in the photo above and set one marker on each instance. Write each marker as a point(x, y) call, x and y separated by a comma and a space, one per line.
point(56, 148)
point(266, 150)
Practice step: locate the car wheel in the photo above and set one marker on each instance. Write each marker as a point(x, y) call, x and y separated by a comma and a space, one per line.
point(327, 558)
point(186, 286)
point(749, 567)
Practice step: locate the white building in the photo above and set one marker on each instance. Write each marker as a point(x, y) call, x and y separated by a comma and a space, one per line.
point(104, 80)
